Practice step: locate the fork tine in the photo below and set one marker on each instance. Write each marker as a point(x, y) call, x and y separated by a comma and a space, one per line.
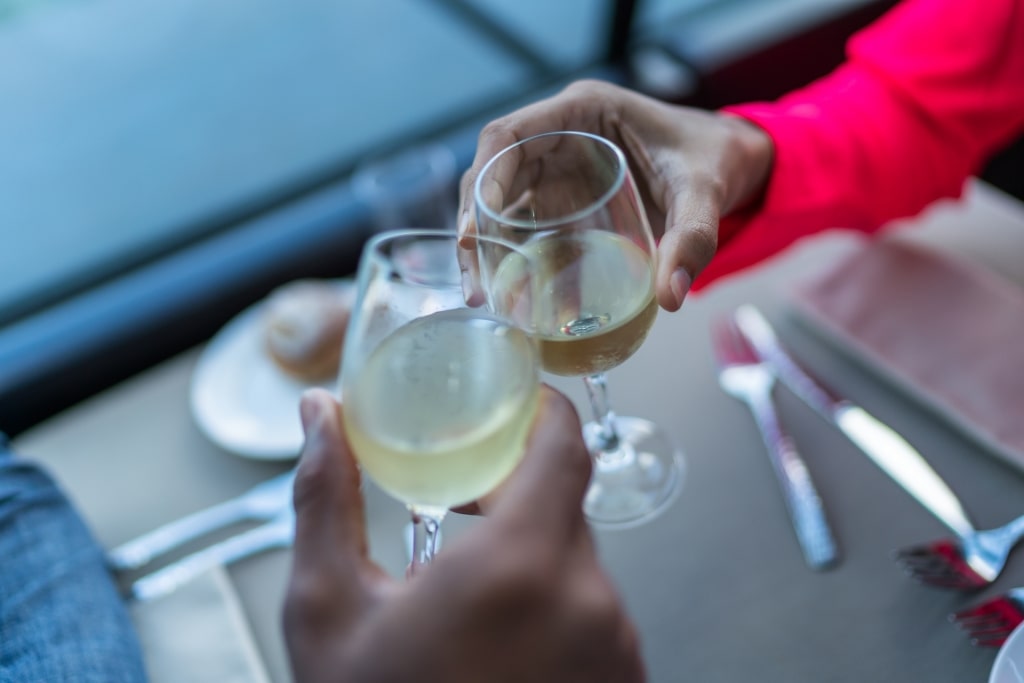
point(929, 566)
point(723, 341)
point(947, 578)
point(972, 615)
point(1002, 607)
point(729, 343)
point(944, 549)
point(719, 341)
point(980, 623)
point(990, 638)
point(940, 577)
point(922, 559)
point(940, 564)
point(989, 624)
point(957, 582)
point(963, 582)
point(990, 642)
point(988, 631)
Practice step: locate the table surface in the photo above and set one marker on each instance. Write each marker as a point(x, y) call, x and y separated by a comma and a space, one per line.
point(716, 585)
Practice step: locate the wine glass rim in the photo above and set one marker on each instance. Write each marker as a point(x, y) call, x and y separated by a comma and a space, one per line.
point(533, 225)
point(372, 244)
point(397, 233)
point(371, 249)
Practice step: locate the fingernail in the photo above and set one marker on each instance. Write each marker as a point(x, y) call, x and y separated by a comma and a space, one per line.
point(471, 291)
point(463, 224)
point(309, 410)
point(680, 283)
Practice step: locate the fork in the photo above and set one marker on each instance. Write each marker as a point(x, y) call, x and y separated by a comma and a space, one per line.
point(264, 501)
point(990, 623)
point(742, 375)
point(277, 533)
point(969, 562)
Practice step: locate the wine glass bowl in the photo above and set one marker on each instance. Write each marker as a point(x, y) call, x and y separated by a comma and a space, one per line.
point(438, 396)
point(568, 200)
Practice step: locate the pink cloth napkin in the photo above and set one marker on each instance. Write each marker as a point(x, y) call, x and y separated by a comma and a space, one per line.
point(945, 328)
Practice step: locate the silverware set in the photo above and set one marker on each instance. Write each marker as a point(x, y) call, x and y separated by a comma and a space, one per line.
point(269, 502)
point(750, 358)
point(745, 376)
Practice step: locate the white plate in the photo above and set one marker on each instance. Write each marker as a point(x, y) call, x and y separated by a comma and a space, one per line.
point(1009, 664)
point(241, 400)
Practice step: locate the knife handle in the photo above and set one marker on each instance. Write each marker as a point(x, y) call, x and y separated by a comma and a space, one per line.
point(806, 510)
point(140, 551)
point(890, 451)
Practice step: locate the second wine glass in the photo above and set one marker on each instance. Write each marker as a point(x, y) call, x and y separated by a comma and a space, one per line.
point(438, 397)
point(569, 201)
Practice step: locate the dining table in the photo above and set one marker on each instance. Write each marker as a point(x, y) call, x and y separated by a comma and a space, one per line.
point(716, 584)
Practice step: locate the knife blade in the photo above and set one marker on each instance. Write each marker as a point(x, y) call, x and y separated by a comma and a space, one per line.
point(883, 445)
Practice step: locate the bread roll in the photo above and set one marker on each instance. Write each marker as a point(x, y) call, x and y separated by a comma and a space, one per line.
point(305, 324)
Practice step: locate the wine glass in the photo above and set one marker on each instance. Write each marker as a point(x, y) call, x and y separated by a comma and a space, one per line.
point(438, 397)
point(569, 201)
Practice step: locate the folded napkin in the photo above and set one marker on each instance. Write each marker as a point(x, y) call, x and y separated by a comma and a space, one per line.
point(198, 634)
point(945, 328)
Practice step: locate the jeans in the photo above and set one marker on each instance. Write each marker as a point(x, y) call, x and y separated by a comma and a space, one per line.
point(61, 618)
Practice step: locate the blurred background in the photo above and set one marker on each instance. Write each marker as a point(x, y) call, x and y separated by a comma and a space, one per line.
point(163, 165)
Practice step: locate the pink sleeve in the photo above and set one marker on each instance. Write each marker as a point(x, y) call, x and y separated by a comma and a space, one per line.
point(927, 94)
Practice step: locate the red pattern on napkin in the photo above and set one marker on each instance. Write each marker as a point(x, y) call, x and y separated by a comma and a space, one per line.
point(946, 328)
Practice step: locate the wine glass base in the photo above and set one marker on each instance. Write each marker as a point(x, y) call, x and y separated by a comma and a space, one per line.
point(635, 482)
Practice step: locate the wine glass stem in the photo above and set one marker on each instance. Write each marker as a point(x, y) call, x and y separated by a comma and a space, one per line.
point(608, 437)
point(425, 528)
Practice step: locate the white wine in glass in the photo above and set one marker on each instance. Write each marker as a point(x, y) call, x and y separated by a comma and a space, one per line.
point(567, 199)
point(606, 318)
point(438, 397)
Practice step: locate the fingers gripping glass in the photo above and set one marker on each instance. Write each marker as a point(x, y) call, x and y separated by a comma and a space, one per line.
point(568, 200)
point(438, 397)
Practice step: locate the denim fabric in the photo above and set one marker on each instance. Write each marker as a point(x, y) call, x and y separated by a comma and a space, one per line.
point(61, 618)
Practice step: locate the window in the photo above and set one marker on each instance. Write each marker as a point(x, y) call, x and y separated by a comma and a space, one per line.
point(131, 129)
point(162, 165)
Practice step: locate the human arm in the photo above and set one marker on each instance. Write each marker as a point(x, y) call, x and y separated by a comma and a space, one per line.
point(691, 168)
point(927, 94)
point(519, 597)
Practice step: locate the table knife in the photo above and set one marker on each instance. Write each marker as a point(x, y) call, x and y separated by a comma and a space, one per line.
point(277, 533)
point(886, 448)
point(263, 502)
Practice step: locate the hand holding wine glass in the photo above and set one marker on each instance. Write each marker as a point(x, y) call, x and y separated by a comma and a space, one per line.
point(568, 200)
point(521, 596)
point(692, 167)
